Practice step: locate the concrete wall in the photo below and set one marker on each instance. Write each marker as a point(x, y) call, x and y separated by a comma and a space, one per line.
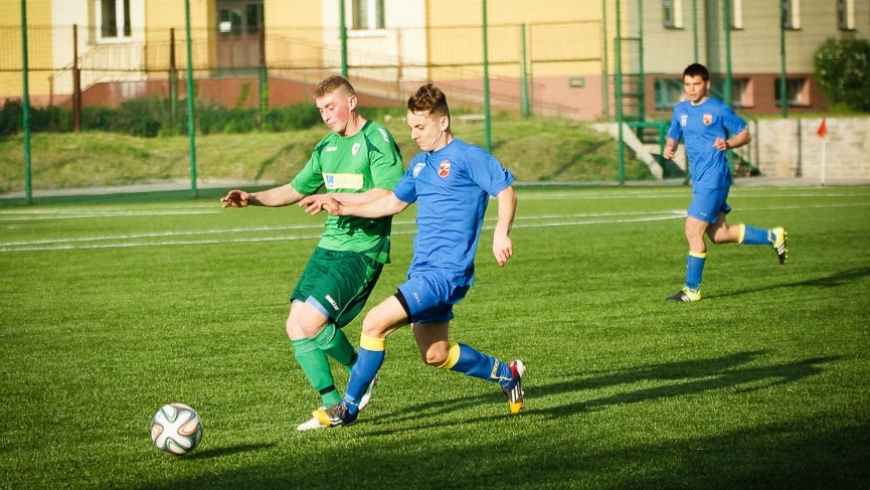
point(791, 148)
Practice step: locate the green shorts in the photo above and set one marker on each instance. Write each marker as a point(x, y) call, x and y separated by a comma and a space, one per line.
point(337, 283)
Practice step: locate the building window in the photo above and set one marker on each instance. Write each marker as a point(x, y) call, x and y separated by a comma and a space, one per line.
point(736, 14)
point(791, 14)
point(741, 93)
point(368, 14)
point(797, 92)
point(668, 93)
point(846, 15)
point(672, 14)
point(113, 19)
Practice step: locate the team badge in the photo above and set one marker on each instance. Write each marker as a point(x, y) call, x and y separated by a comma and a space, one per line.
point(355, 148)
point(444, 169)
point(708, 119)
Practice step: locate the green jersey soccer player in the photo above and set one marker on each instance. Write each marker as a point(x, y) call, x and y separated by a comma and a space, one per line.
point(358, 162)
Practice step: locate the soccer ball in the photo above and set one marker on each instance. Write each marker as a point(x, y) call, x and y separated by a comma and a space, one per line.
point(176, 429)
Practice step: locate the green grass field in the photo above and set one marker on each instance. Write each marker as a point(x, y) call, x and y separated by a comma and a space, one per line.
point(110, 311)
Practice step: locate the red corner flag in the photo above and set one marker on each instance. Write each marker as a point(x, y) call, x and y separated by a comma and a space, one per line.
point(823, 129)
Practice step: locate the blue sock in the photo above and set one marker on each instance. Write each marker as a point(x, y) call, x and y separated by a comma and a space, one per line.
point(368, 363)
point(471, 362)
point(756, 236)
point(694, 269)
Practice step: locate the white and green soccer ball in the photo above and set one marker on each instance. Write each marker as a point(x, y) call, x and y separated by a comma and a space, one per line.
point(176, 429)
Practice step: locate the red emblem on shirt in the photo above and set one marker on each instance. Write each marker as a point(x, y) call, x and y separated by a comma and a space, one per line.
point(444, 169)
point(708, 119)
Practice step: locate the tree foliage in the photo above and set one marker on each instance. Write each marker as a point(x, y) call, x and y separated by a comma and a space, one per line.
point(842, 68)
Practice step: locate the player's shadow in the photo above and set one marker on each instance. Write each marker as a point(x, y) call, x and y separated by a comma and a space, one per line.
point(219, 452)
point(674, 379)
point(841, 278)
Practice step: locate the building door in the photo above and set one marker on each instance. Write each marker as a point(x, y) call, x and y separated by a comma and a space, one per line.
point(240, 31)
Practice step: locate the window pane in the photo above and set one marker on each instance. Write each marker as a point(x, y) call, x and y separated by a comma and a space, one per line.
point(109, 19)
point(127, 31)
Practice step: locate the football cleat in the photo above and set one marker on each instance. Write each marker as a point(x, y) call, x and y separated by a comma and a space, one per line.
point(514, 389)
point(335, 416)
point(367, 397)
point(311, 424)
point(780, 236)
point(685, 295)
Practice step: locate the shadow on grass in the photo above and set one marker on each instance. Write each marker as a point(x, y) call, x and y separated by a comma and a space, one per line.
point(842, 278)
point(685, 378)
point(226, 451)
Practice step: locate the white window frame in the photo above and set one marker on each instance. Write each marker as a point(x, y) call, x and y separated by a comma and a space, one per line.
point(846, 15)
point(672, 14)
point(736, 14)
point(120, 15)
point(791, 18)
point(374, 13)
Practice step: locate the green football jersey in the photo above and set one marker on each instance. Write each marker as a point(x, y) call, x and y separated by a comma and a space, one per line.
point(367, 160)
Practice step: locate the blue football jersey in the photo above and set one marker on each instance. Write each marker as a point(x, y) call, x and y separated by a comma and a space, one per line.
point(451, 187)
point(699, 125)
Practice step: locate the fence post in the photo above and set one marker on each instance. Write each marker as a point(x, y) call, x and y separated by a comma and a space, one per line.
point(524, 76)
point(173, 78)
point(77, 83)
point(263, 78)
point(191, 131)
point(25, 117)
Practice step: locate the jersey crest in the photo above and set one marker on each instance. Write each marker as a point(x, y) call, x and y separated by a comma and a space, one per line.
point(708, 119)
point(355, 148)
point(444, 169)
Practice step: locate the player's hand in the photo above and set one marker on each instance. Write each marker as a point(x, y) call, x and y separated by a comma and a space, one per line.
point(720, 144)
point(235, 199)
point(669, 152)
point(316, 203)
point(502, 248)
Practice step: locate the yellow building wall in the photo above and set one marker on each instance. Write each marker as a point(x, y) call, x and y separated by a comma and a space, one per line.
point(561, 37)
point(163, 15)
point(294, 33)
point(39, 51)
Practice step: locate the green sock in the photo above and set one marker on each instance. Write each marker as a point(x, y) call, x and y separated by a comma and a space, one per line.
point(334, 343)
point(315, 365)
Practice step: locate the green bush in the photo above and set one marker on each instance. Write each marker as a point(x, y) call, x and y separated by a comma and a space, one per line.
point(842, 68)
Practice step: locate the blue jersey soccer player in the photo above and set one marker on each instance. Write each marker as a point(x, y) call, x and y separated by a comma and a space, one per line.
point(451, 182)
point(710, 128)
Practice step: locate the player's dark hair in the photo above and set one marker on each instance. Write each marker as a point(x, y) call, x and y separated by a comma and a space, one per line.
point(697, 70)
point(431, 99)
point(331, 84)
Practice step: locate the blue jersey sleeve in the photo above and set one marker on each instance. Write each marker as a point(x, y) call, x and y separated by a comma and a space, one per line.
point(675, 132)
point(487, 171)
point(732, 122)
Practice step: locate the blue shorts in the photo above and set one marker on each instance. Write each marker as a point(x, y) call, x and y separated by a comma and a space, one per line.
point(430, 297)
point(707, 204)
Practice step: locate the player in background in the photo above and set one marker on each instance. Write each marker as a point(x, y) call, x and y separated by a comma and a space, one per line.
point(710, 128)
point(451, 181)
point(358, 162)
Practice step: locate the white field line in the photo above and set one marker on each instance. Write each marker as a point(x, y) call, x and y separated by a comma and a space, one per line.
point(126, 241)
point(522, 221)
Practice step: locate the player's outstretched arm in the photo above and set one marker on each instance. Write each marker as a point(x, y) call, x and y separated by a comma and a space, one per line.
point(502, 246)
point(278, 196)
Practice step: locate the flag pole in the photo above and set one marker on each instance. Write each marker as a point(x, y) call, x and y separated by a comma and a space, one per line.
point(823, 134)
point(824, 140)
